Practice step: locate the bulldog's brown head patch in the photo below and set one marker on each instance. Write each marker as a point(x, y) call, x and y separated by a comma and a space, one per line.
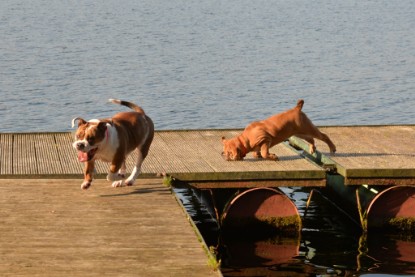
point(88, 137)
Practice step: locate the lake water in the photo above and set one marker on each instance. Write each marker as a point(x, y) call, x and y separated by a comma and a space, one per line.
point(208, 64)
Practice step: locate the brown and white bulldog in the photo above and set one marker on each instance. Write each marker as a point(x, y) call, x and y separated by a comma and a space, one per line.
point(111, 140)
point(259, 136)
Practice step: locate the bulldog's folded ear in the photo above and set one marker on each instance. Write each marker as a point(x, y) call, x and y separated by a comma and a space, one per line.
point(103, 126)
point(81, 121)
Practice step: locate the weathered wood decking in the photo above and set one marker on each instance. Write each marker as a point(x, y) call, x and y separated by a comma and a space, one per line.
point(53, 228)
point(374, 155)
point(50, 227)
point(186, 155)
point(365, 154)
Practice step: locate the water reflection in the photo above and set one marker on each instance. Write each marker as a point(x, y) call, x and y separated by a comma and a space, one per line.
point(330, 244)
point(314, 253)
point(319, 254)
point(383, 253)
point(252, 253)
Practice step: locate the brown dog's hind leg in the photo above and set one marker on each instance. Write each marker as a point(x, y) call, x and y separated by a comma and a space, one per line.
point(309, 129)
point(330, 144)
point(321, 136)
point(327, 140)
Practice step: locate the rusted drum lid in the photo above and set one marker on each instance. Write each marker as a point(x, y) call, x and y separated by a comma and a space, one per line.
point(261, 207)
point(394, 208)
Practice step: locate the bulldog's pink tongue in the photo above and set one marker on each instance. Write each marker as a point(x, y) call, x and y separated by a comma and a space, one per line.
point(82, 156)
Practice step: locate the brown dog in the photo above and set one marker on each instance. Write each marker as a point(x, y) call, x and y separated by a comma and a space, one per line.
point(111, 140)
point(259, 136)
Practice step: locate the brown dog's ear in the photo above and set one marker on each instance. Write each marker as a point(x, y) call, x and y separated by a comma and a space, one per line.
point(241, 153)
point(80, 121)
point(223, 139)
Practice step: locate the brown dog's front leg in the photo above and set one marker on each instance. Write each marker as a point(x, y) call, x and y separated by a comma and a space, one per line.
point(265, 153)
point(88, 174)
point(310, 140)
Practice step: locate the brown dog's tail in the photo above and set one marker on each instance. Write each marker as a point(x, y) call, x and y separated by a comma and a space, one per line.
point(127, 104)
point(300, 104)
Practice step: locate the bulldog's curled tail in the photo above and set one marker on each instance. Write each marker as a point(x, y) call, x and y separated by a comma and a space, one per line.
point(127, 104)
point(300, 104)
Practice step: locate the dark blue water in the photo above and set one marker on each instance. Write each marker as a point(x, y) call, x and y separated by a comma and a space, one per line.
point(222, 64)
point(203, 64)
point(331, 243)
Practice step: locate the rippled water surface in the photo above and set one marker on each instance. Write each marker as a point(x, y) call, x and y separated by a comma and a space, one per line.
point(206, 64)
point(220, 64)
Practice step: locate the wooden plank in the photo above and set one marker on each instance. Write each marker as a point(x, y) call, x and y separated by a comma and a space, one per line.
point(24, 155)
point(161, 151)
point(53, 228)
point(67, 154)
point(6, 154)
point(184, 152)
point(47, 155)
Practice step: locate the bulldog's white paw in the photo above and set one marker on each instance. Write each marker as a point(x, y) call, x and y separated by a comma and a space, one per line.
point(129, 182)
point(118, 184)
point(85, 185)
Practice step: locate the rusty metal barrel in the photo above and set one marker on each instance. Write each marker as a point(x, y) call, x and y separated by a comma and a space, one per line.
point(393, 208)
point(261, 209)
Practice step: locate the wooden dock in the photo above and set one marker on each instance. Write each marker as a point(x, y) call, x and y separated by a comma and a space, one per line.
point(365, 154)
point(193, 156)
point(50, 226)
point(53, 228)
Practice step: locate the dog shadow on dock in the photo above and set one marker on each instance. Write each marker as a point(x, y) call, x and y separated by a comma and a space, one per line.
point(140, 190)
